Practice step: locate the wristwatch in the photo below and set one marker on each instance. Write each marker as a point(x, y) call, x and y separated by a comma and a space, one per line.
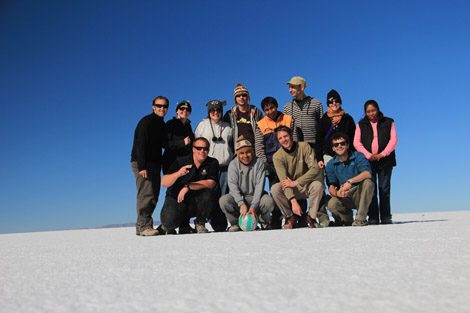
point(187, 185)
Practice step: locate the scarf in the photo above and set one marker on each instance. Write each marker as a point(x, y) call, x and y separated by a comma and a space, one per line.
point(335, 117)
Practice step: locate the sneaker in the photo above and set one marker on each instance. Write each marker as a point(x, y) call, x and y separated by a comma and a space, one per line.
point(373, 221)
point(149, 232)
point(325, 224)
point(265, 226)
point(359, 223)
point(201, 229)
point(312, 222)
point(290, 222)
point(162, 230)
point(234, 228)
point(186, 229)
point(386, 220)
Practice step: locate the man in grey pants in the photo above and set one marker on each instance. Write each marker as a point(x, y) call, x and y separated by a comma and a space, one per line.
point(146, 159)
point(348, 177)
point(246, 179)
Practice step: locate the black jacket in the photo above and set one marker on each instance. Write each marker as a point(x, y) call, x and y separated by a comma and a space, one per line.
point(176, 132)
point(149, 139)
point(384, 125)
point(323, 143)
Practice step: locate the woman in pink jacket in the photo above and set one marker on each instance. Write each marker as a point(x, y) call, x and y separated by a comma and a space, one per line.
point(376, 138)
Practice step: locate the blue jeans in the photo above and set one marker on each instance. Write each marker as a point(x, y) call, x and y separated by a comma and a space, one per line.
point(384, 177)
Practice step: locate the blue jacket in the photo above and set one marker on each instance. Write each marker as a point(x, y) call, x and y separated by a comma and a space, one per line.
point(338, 173)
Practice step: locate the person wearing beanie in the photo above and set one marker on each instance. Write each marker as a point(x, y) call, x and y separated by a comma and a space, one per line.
point(306, 112)
point(180, 135)
point(246, 179)
point(335, 120)
point(219, 135)
point(243, 117)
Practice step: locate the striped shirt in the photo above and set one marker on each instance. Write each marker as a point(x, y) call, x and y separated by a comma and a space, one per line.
point(305, 120)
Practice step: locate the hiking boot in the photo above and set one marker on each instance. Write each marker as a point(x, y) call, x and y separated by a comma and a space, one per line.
point(312, 222)
point(234, 228)
point(301, 222)
point(359, 223)
point(162, 230)
point(290, 222)
point(325, 223)
point(201, 229)
point(149, 232)
point(186, 229)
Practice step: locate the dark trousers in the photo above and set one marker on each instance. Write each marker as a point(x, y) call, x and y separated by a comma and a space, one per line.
point(148, 190)
point(218, 220)
point(197, 203)
point(383, 176)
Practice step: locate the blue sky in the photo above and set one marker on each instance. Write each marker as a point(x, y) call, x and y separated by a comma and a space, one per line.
point(76, 77)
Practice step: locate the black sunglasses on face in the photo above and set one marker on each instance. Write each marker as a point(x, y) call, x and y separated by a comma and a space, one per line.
point(244, 95)
point(201, 148)
point(184, 108)
point(216, 110)
point(342, 143)
point(165, 106)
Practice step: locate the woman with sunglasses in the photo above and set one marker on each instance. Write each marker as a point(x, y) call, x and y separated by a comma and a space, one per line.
point(219, 134)
point(334, 121)
point(376, 138)
point(180, 135)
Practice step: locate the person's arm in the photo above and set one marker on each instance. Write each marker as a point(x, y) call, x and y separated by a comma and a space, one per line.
point(259, 177)
point(259, 145)
point(392, 143)
point(313, 168)
point(358, 144)
point(232, 182)
point(320, 141)
point(169, 179)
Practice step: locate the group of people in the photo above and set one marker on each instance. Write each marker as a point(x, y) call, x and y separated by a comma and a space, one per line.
point(217, 173)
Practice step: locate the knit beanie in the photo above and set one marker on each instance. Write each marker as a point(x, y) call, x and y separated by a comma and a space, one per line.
point(242, 143)
point(240, 89)
point(333, 94)
point(183, 102)
point(215, 104)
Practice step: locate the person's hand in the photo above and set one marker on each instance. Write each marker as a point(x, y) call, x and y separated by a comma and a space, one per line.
point(296, 209)
point(143, 173)
point(378, 156)
point(184, 170)
point(321, 164)
point(243, 210)
point(289, 183)
point(187, 141)
point(182, 194)
point(253, 212)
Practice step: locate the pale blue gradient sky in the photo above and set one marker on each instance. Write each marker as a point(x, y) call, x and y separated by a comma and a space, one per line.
point(76, 77)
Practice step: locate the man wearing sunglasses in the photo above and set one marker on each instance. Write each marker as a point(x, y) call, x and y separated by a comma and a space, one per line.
point(348, 177)
point(190, 189)
point(243, 117)
point(146, 160)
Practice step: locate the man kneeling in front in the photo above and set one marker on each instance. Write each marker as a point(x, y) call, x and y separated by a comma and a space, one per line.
point(348, 177)
point(190, 190)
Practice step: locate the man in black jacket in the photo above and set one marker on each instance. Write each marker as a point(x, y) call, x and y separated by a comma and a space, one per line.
point(146, 159)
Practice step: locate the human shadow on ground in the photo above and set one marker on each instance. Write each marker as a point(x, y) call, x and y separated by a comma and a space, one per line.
point(425, 221)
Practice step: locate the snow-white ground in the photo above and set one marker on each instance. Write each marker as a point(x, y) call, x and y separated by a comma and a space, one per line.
point(419, 264)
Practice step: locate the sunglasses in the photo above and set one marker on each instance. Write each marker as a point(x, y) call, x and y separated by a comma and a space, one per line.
point(165, 106)
point(216, 110)
point(244, 95)
point(184, 109)
point(201, 148)
point(337, 144)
